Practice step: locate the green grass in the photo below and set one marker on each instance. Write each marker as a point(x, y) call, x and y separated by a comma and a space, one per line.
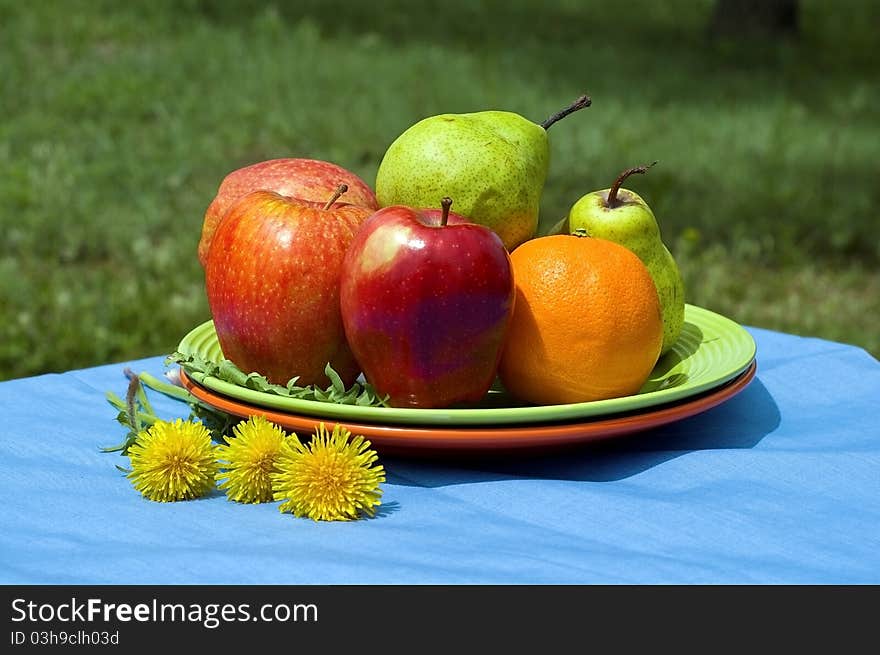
point(120, 119)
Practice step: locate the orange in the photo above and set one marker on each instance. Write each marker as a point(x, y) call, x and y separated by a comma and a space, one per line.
point(586, 322)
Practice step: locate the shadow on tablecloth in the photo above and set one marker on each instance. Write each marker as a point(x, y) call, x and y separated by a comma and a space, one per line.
point(741, 422)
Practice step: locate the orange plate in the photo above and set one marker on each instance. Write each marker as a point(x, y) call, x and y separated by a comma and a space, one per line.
point(409, 440)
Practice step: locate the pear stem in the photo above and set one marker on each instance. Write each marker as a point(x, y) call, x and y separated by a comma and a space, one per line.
point(446, 203)
point(577, 105)
point(342, 188)
point(611, 202)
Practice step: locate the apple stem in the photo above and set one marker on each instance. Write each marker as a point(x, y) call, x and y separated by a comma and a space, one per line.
point(446, 203)
point(342, 188)
point(577, 105)
point(611, 202)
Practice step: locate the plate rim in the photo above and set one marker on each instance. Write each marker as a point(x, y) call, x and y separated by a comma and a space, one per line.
point(464, 438)
point(478, 416)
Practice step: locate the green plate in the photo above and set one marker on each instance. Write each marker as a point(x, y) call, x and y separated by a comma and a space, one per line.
point(712, 350)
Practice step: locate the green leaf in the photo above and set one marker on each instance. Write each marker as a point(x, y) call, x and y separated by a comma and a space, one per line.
point(560, 227)
point(142, 397)
point(357, 394)
point(127, 443)
point(136, 413)
point(219, 424)
point(230, 372)
point(335, 380)
point(115, 449)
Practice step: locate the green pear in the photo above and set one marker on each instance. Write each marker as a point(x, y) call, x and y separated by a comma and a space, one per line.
point(622, 216)
point(493, 163)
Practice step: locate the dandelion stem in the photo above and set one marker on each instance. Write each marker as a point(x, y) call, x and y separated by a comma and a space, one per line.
point(131, 404)
point(141, 394)
point(178, 393)
point(122, 406)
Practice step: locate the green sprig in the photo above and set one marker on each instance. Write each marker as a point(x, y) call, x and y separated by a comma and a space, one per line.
point(359, 393)
point(136, 412)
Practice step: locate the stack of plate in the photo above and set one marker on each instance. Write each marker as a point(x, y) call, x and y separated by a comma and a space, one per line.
point(713, 360)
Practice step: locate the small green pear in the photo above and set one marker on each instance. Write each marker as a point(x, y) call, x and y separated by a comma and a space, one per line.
point(622, 216)
point(494, 163)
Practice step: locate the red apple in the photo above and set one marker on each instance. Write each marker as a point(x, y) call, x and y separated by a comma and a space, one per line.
point(307, 179)
point(272, 281)
point(425, 304)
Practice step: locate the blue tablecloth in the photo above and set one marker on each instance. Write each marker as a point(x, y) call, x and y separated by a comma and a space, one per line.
point(780, 484)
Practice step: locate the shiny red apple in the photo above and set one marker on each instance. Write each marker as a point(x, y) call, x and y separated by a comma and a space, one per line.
point(272, 281)
point(426, 299)
point(307, 179)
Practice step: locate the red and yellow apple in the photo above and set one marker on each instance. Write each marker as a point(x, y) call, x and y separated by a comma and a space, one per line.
point(272, 281)
point(307, 179)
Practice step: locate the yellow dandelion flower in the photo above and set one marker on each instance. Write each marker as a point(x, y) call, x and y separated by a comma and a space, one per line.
point(173, 461)
point(330, 478)
point(248, 459)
